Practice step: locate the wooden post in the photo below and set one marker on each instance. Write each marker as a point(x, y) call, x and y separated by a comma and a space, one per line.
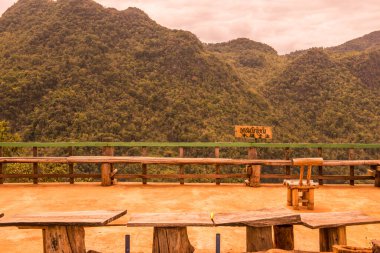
point(308, 177)
point(217, 167)
point(310, 196)
point(283, 237)
point(301, 175)
point(106, 168)
point(144, 152)
point(295, 198)
point(330, 236)
point(255, 171)
point(68, 239)
point(377, 176)
point(1, 167)
point(289, 196)
point(259, 238)
point(71, 167)
point(287, 157)
point(320, 168)
point(171, 240)
point(181, 168)
point(35, 166)
point(351, 154)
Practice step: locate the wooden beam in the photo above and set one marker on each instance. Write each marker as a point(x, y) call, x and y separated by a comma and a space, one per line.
point(283, 237)
point(255, 170)
point(258, 238)
point(179, 176)
point(331, 236)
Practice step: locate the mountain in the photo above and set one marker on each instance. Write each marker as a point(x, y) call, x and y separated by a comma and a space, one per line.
point(74, 70)
point(367, 41)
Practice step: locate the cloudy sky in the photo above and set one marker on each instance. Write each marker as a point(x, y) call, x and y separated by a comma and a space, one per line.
point(286, 25)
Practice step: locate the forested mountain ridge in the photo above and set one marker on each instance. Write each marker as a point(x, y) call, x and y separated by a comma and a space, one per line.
point(73, 70)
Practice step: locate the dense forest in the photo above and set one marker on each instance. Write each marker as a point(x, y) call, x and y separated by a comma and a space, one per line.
point(72, 70)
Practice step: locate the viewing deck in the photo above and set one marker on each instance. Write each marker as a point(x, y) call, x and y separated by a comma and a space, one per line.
point(172, 197)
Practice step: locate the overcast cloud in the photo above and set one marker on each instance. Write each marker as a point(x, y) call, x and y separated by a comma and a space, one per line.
point(285, 25)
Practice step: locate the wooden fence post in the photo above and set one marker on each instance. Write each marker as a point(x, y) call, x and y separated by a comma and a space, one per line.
point(181, 168)
point(1, 167)
point(144, 152)
point(351, 156)
point(106, 168)
point(287, 157)
point(255, 170)
point(71, 167)
point(320, 168)
point(35, 166)
point(217, 167)
point(377, 176)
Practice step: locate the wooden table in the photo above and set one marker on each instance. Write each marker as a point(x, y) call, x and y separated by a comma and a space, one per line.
point(332, 226)
point(63, 231)
point(170, 229)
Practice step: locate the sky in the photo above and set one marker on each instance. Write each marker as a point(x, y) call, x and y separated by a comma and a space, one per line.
point(286, 25)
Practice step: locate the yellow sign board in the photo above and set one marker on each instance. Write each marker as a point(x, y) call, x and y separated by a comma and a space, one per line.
point(255, 132)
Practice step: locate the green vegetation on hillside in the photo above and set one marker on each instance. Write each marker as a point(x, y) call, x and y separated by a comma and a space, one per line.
point(73, 70)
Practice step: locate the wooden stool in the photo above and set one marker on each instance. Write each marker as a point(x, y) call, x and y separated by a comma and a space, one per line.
point(306, 188)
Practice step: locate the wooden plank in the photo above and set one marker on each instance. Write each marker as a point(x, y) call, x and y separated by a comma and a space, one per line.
point(307, 161)
point(258, 238)
point(259, 218)
point(336, 219)
point(350, 249)
point(77, 218)
point(170, 220)
point(35, 166)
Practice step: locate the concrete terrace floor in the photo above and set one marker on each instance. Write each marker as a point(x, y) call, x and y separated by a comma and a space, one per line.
point(136, 198)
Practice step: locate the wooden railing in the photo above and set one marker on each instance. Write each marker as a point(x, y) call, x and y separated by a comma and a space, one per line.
point(266, 165)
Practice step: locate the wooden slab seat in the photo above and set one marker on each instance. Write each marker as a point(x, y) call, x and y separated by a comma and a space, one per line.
point(332, 226)
point(170, 229)
point(63, 231)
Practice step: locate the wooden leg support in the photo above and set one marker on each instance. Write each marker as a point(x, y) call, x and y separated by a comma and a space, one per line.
point(377, 177)
point(310, 203)
point(254, 179)
point(295, 199)
point(67, 239)
point(289, 197)
point(330, 236)
point(259, 238)
point(171, 240)
point(283, 237)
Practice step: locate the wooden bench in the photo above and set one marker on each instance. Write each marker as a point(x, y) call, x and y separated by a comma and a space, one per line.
point(63, 231)
point(170, 229)
point(332, 226)
point(306, 188)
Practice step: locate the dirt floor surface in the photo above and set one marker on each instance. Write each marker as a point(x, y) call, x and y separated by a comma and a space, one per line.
point(137, 198)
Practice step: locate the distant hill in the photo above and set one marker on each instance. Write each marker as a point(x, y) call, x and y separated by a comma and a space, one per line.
point(74, 70)
point(367, 41)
